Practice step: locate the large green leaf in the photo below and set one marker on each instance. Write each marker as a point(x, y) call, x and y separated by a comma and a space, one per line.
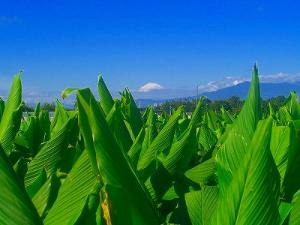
point(150, 129)
point(135, 150)
point(15, 206)
point(181, 152)
point(73, 193)
point(114, 166)
point(293, 105)
point(252, 198)
point(295, 212)
point(106, 101)
point(231, 153)
point(118, 128)
point(280, 144)
point(203, 172)
point(291, 182)
point(59, 119)
point(161, 143)
point(206, 139)
point(132, 115)
point(49, 156)
point(46, 195)
point(11, 117)
point(201, 205)
point(197, 114)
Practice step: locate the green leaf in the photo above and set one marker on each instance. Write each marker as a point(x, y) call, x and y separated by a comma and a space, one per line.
point(15, 205)
point(231, 153)
point(132, 115)
point(113, 208)
point(202, 173)
point(291, 182)
point(37, 183)
point(118, 128)
point(73, 193)
point(252, 198)
point(114, 166)
point(161, 143)
point(197, 114)
point(281, 141)
point(293, 106)
point(59, 119)
point(135, 150)
point(284, 211)
point(295, 212)
point(46, 195)
point(12, 114)
point(201, 205)
point(150, 129)
point(49, 156)
point(206, 139)
point(181, 152)
point(68, 91)
point(106, 101)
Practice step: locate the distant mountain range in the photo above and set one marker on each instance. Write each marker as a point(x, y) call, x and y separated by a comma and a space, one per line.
point(267, 90)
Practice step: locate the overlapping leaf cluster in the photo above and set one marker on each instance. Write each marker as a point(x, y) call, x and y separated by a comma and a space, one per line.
point(105, 162)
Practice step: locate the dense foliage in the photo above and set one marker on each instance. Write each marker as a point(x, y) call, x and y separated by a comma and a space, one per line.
point(233, 104)
point(106, 163)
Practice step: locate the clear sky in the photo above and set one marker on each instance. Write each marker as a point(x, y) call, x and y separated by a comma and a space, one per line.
point(176, 44)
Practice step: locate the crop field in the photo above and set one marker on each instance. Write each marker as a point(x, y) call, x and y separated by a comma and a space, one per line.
point(106, 162)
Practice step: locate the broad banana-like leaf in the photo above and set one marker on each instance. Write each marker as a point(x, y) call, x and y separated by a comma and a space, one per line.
point(113, 208)
point(161, 143)
point(295, 212)
point(67, 91)
point(181, 152)
point(201, 205)
point(293, 106)
point(49, 156)
point(46, 195)
point(206, 139)
point(11, 116)
point(159, 183)
point(197, 114)
point(291, 182)
point(135, 150)
point(252, 198)
point(284, 211)
point(203, 172)
point(132, 115)
point(226, 116)
point(15, 206)
point(106, 101)
point(284, 116)
point(211, 119)
point(92, 213)
point(30, 136)
point(281, 141)
point(150, 129)
point(231, 153)
point(114, 166)
point(73, 194)
point(118, 128)
point(59, 119)
point(44, 124)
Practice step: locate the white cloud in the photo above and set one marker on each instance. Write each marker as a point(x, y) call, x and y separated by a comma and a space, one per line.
point(150, 87)
point(230, 81)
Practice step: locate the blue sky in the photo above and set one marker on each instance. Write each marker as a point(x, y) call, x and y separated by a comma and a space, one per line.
point(176, 44)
